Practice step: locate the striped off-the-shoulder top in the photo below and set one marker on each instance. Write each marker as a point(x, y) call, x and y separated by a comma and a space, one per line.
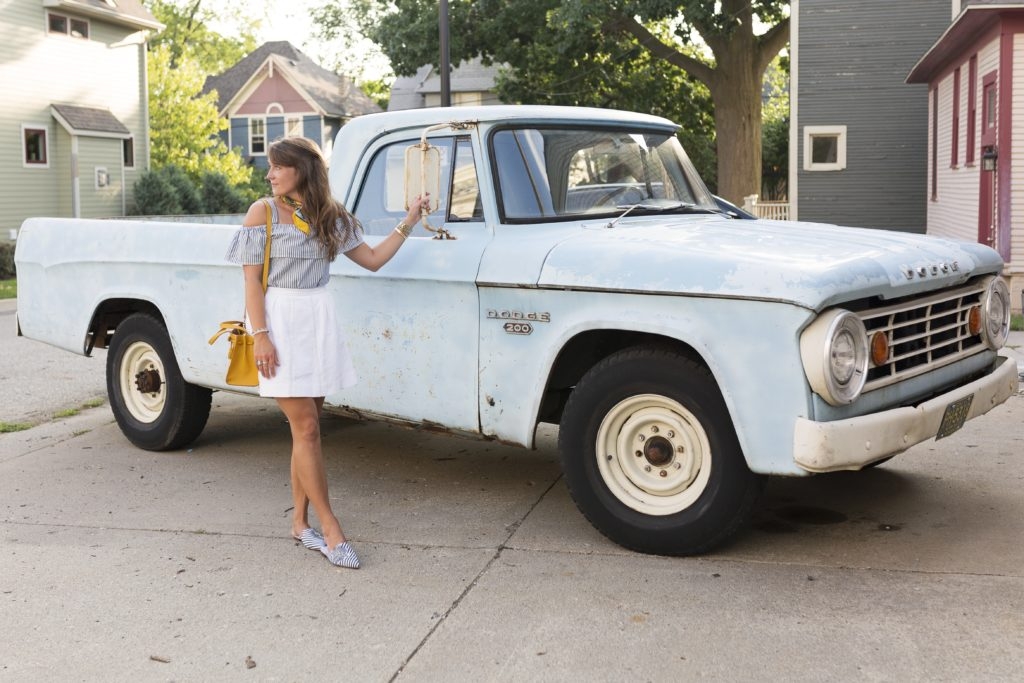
point(297, 261)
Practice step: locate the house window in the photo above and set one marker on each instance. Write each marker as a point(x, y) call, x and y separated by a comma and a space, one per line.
point(257, 136)
point(293, 126)
point(467, 99)
point(36, 151)
point(972, 108)
point(128, 150)
point(69, 26)
point(954, 142)
point(824, 148)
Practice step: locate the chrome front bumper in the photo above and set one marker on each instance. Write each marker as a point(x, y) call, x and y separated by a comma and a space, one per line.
point(851, 444)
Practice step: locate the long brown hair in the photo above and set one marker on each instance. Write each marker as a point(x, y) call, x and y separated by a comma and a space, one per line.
point(329, 221)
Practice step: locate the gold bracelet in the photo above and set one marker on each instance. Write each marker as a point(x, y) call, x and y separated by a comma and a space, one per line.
point(403, 230)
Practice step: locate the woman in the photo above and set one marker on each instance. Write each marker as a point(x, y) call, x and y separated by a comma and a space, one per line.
point(300, 353)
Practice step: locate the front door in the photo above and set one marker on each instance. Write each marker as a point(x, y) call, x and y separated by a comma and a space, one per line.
point(987, 223)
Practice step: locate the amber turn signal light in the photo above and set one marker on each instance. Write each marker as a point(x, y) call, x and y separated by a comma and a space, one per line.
point(879, 348)
point(974, 320)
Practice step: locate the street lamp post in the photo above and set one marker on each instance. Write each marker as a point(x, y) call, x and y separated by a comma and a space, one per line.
point(445, 66)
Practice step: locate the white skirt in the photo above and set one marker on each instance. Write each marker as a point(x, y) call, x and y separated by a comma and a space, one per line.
point(313, 359)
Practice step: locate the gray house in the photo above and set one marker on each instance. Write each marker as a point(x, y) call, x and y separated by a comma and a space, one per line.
point(471, 84)
point(858, 132)
point(74, 129)
point(277, 90)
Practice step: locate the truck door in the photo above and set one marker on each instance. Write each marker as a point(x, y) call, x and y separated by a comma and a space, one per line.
point(413, 326)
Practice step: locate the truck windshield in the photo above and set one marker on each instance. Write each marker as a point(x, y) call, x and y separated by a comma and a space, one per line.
point(551, 174)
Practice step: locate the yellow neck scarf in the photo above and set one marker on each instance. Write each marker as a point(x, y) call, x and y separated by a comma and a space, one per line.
point(298, 218)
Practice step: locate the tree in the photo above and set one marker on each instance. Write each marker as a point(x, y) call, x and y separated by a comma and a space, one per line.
point(184, 126)
point(187, 34)
point(712, 41)
point(775, 133)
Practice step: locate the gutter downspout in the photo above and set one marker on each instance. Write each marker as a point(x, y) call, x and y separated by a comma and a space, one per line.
point(76, 185)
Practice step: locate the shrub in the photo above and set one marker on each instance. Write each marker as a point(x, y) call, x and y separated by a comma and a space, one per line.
point(166, 192)
point(6, 260)
point(218, 196)
point(188, 195)
point(155, 196)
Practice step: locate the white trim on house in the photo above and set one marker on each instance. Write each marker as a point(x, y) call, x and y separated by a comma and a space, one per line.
point(263, 120)
point(68, 21)
point(46, 144)
point(837, 132)
point(230, 109)
point(111, 15)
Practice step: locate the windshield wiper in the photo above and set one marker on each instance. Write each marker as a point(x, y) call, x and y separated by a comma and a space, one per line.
point(658, 206)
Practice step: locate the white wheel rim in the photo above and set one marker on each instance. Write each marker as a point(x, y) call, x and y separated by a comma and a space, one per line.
point(139, 358)
point(674, 464)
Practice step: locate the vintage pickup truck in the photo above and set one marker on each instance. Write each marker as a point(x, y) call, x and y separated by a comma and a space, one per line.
point(582, 275)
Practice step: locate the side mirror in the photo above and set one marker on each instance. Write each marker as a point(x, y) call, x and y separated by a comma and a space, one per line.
point(422, 173)
point(422, 176)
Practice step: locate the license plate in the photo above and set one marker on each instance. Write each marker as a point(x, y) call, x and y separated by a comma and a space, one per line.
point(955, 416)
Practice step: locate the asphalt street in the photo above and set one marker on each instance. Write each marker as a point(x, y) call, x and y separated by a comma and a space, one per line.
point(118, 564)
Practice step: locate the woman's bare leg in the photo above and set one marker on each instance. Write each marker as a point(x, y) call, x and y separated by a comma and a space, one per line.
point(309, 478)
point(300, 509)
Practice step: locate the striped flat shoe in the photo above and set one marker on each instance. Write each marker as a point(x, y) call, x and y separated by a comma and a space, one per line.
point(312, 539)
point(343, 555)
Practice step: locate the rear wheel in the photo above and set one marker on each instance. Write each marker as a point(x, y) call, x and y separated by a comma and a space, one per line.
point(650, 455)
point(154, 407)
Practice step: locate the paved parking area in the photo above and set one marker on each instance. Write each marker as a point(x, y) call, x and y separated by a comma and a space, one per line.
point(122, 565)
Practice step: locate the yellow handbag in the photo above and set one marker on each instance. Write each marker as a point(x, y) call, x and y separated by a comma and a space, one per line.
point(241, 356)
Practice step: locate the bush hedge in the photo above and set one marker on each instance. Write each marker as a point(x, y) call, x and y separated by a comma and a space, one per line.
point(169, 191)
point(6, 260)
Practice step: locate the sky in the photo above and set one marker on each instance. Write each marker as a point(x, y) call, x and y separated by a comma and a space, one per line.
point(289, 20)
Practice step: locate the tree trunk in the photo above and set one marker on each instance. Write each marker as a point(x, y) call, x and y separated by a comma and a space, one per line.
point(736, 93)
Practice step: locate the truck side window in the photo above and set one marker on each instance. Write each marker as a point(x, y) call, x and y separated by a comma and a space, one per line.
point(465, 205)
point(381, 199)
point(522, 176)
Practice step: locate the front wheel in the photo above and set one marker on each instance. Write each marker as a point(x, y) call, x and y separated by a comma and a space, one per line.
point(651, 457)
point(155, 408)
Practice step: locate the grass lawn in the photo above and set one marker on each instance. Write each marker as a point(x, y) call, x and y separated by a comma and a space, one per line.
point(8, 289)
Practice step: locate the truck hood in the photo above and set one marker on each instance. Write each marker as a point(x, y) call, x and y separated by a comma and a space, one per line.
point(814, 265)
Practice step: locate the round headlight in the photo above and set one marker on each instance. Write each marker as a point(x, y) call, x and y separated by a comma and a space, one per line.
point(834, 349)
point(995, 315)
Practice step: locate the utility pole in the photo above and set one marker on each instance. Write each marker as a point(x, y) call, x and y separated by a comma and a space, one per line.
point(444, 69)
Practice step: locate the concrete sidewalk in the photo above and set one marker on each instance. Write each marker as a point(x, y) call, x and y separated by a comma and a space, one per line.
point(123, 565)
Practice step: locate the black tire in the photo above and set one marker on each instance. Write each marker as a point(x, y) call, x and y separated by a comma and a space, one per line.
point(690, 489)
point(155, 408)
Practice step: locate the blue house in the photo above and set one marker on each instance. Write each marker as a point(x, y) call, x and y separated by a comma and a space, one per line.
point(276, 91)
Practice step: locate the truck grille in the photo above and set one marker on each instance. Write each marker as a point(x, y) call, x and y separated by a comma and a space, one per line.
point(924, 333)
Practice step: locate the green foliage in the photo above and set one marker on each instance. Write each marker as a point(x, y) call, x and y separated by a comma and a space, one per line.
point(168, 191)
point(155, 195)
point(377, 90)
point(219, 196)
point(671, 57)
point(184, 126)
point(775, 132)
point(9, 289)
point(187, 35)
point(6, 260)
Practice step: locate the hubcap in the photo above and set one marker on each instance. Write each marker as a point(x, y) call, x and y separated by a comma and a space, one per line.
point(141, 380)
point(653, 454)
